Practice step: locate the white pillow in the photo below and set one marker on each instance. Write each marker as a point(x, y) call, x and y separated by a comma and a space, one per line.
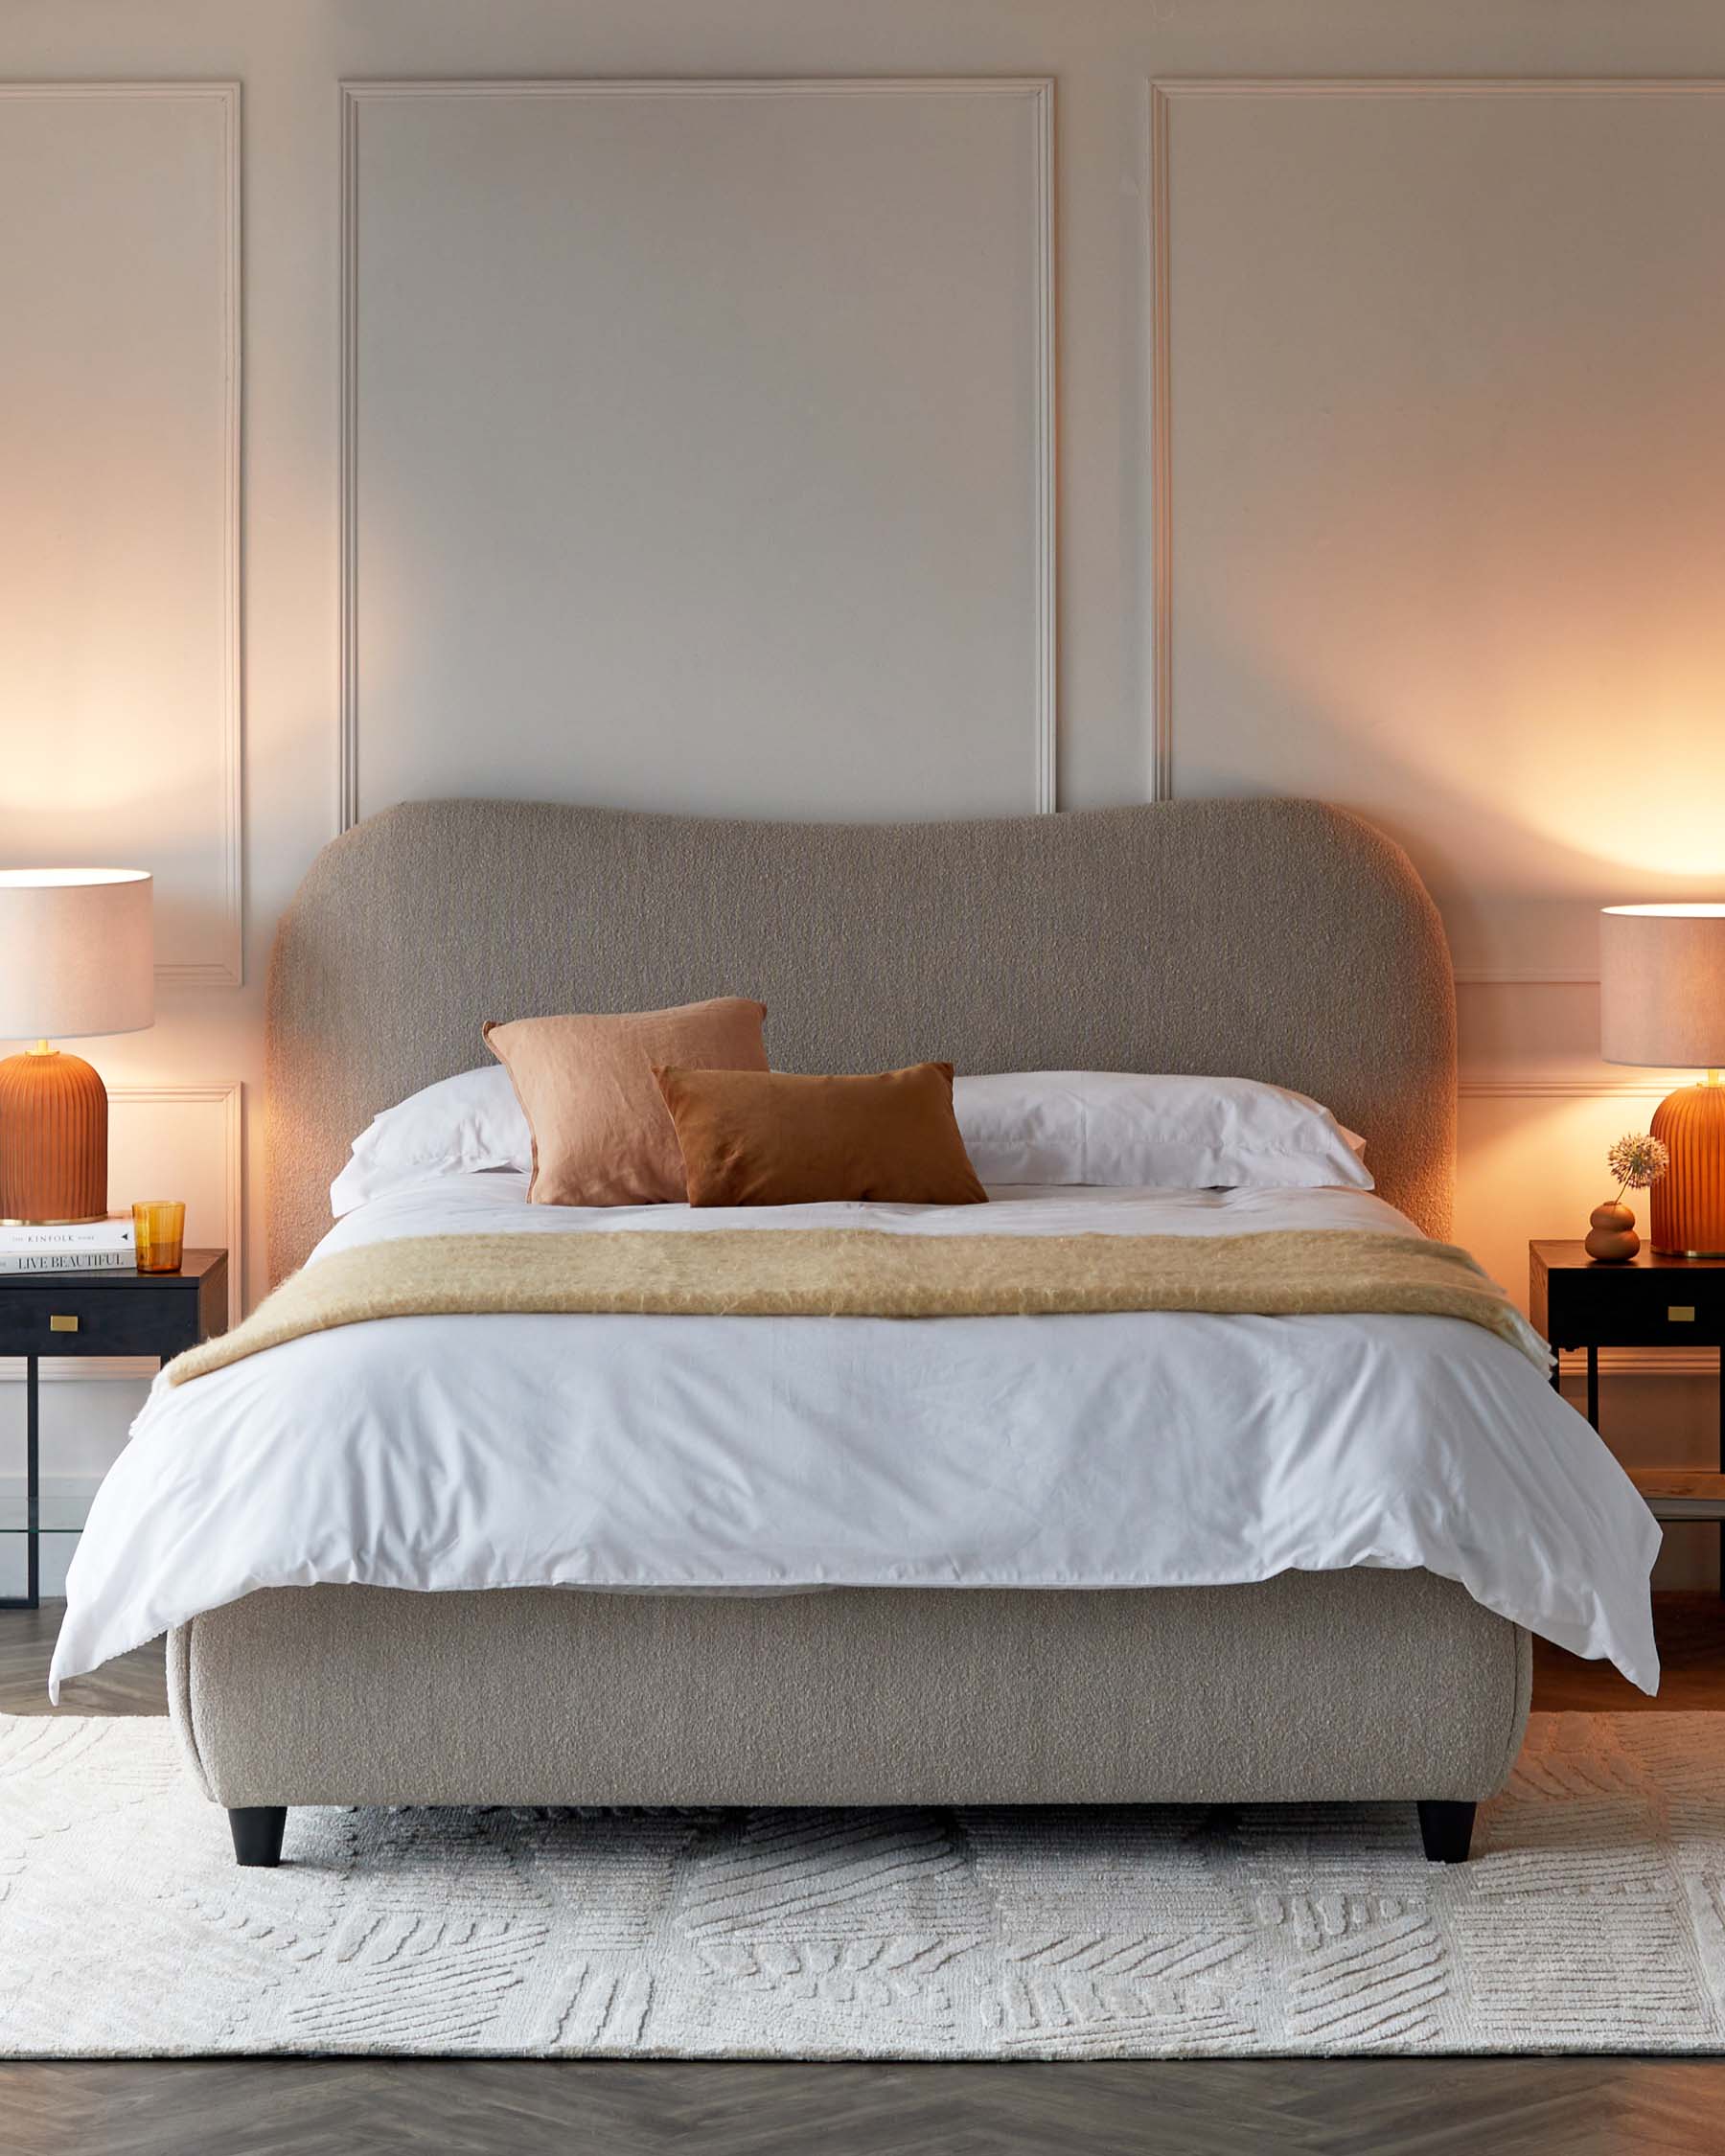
point(456, 1127)
point(1126, 1131)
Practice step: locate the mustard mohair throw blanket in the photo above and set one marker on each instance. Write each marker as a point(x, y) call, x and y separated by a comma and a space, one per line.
point(861, 1273)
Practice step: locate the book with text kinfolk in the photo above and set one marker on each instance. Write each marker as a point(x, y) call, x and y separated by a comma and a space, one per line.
point(68, 1261)
point(70, 1245)
point(34, 1238)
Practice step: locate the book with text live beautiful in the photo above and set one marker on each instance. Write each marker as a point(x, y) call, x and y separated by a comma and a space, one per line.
point(80, 1245)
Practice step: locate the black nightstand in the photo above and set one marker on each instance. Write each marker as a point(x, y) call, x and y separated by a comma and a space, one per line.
point(1649, 1302)
point(154, 1314)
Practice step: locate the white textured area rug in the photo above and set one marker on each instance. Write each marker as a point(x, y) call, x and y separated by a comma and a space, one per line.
point(1592, 1918)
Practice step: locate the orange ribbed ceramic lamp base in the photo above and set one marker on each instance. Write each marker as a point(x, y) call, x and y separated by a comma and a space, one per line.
point(1688, 1216)
point(52, 1138)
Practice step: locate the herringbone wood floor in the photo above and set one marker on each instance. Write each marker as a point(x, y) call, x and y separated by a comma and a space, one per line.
point(1393, 2107)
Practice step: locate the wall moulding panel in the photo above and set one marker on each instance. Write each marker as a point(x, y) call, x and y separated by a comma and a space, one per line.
point(1439, 514)
point(172, 1141)
point(1643, 1362)
point(698, 445)
point(1510, 1086)
point(120, 547)
point(1515, 977)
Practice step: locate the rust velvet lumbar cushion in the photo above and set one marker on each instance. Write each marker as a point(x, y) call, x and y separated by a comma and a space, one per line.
point(602, 1134)
point(770, 1138)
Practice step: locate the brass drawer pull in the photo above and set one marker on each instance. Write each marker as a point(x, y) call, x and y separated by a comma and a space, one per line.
point(1681, 1314)
point(63, 1324)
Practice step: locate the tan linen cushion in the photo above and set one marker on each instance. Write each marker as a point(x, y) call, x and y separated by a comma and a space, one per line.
point(601, 1133)
point(769, 1138)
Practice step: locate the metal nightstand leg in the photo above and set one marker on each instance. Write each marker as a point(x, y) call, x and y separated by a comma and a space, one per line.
point(32, 1598)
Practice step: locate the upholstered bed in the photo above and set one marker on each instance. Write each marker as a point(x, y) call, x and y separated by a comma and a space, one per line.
point(865, 1559)
point(1282, 940)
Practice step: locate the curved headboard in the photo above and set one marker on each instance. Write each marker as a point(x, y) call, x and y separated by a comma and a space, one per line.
point(1282, 940)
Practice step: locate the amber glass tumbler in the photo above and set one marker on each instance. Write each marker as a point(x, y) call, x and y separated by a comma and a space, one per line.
point(159, 1233)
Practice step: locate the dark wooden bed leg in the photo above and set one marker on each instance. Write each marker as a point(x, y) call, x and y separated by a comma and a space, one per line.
point(1446, 1830)
point(257, 1830)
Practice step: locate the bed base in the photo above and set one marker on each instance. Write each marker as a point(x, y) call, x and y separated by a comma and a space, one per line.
point(1312, 1688)
point(1445, 1832)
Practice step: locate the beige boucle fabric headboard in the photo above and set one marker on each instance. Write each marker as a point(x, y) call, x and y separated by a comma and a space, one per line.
point(1282, 940)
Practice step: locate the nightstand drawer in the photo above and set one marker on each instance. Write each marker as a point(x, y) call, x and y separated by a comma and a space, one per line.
point(84, 1321)
point(1648, 1304)
point(1671, 1323)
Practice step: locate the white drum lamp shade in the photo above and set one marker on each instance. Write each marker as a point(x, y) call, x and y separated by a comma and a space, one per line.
point(1662, 1001)
point(76, 957)
point(77, 952)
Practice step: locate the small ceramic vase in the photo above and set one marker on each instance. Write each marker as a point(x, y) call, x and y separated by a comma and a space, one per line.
point(1613, 1238)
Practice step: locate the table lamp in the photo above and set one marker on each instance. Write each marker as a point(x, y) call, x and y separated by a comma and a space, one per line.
point(77, 956)
point(1661, 1001)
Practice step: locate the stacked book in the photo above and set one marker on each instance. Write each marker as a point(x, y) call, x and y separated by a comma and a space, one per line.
point(76, 1246)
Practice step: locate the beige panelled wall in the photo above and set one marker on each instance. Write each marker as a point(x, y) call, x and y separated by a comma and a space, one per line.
point(798, 482)
point(120, 459)
point(1444, 369)
point(1425, 496)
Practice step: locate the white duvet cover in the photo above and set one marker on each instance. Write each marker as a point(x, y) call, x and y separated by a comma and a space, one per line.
point(777, 1454)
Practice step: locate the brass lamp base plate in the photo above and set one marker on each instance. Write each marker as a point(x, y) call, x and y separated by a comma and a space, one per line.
point(68, 1220)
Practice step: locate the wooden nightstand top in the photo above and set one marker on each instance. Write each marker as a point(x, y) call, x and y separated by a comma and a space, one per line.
point(1561, 1257)
point(195, 1267)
